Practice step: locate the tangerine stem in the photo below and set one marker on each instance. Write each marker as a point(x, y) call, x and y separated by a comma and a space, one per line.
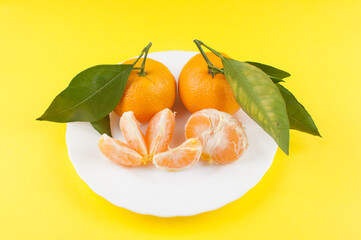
point(135, 62)
point(199, 46)
point(212, 69)
point(216, 70)
point(145, 50)
point(209, 48)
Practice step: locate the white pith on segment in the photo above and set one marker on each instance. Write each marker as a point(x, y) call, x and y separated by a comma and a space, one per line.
point(111, 149)
point(214, 136)
point(179, 153)
point(161, 131)
point(131, 132)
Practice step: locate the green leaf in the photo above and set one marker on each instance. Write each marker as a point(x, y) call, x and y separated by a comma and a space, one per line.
point(91, 95)
point(259, 98)
point(274, 73)
point(276, 80)
point(298, 116)
point(102, 125)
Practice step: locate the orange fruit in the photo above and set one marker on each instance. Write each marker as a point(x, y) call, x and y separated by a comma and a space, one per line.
point(181, 157)
point(154, 146)
point(160, 131)
point(222, 135)
point(119, 152)
point(132, 133)
point(149, 94)
point(198, 89)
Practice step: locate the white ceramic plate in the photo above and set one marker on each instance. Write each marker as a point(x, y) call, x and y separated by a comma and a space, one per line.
point(148, 190)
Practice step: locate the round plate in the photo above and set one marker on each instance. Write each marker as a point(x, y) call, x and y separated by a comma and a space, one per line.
point(149, 190)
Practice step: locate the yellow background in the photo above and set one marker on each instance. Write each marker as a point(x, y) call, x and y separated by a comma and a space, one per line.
point(314, 193)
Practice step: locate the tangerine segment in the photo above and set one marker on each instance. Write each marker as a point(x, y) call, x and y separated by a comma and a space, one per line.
point(181, 157)
point(201, 122)
point(160, 131)
point(223, 140)
point(231, 143)
point(132, 133)
point(119, 152)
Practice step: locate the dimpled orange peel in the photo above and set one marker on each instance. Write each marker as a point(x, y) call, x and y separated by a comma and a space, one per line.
point(199, 89)
point(148, 93)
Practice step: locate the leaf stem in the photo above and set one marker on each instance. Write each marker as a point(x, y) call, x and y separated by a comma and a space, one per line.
point(216, 70)
point(212, 69)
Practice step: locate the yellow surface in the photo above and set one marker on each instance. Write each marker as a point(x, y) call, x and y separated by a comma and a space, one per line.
point(312, 194)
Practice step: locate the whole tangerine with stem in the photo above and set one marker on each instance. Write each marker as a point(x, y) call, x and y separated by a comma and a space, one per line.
point(151, 87)
point(199, 88)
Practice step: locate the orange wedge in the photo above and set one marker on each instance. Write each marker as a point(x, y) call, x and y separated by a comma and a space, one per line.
point(181, 157)
point(119, 152)
point(222, 135)
point(160, 131)
point(132, 133)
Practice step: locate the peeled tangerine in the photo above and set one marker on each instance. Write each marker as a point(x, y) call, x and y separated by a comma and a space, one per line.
point(151, 147)
point(222, 135)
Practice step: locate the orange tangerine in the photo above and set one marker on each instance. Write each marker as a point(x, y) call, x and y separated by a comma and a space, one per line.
point(222, 135)
point(181, 157)
point(132, 133)
point(199, 89)
point(146, 95)
point(119, 152)
point(160, 131)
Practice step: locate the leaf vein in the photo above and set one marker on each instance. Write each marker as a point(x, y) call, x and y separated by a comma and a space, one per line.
point(91, 95)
